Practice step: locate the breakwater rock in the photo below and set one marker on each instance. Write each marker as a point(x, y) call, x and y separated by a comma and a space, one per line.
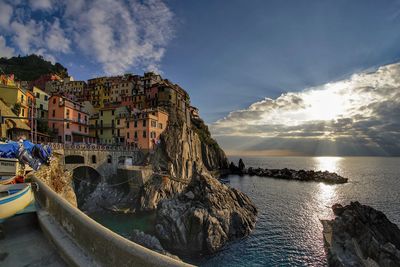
point(361, 236)
point(204, 217)
point(301, 175)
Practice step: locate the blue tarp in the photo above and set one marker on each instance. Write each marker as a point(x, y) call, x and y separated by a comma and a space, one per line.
point(37, 153)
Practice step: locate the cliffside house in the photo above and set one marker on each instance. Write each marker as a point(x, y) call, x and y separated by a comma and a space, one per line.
point(143, 128)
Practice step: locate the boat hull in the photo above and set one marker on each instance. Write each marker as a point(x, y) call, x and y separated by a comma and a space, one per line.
point(13, 203)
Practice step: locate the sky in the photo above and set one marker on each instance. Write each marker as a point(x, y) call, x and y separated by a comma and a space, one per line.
point(269, 77)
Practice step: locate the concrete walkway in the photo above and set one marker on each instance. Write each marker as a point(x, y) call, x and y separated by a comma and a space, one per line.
point(24, 244)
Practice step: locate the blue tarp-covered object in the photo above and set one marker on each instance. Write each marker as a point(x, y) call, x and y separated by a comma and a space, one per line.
point(26, 152)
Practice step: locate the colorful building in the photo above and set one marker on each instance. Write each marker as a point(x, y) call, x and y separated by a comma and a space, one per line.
point(143, 129)
point(68, 120)
point(42, 102)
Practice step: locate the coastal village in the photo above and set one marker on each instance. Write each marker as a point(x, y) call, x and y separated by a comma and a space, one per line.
point(117, 110)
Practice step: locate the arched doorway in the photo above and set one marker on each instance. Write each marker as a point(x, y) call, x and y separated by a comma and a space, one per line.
point(85, 180)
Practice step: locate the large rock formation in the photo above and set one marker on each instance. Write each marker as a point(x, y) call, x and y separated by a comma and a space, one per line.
point(186, 148)
point(361, 236)
point(195, 213)
point(157, 189)
point(203, 217)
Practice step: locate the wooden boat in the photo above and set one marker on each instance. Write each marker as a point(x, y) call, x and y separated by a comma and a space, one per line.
point(7, 180)
point(14, 198)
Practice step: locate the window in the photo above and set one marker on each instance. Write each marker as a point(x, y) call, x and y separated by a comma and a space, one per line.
point(118, 122)
point(144, 134)
point(42, 114)
point(101, 113)
point(54, 100)
point(112, 131)
point(41, 106)
point(118, 133)
point(54, 125)
point(37, 95)
point(144, 123)
point(22, 98)
point(153, 124)
point(54, 113)
point(67, 125)
point(101, 131)
point(112, 112)
point(85, 129)
point(127, 124)
point(127, 135)
point(79, 116)
point(80, 128)
point(136, 135)
point(109, 159)
point(93, 159)
point(68, 138)
point(46, 97)
point(23, 112)
point(160, 125)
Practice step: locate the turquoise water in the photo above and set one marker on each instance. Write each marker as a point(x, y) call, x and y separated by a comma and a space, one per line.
point(288, 231)
point(124, 224)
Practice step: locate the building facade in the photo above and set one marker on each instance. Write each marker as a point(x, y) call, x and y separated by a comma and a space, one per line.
point(68, 120)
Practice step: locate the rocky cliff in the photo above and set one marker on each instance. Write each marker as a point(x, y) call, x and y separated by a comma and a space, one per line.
point(186, 148)
point(204, 217)
point(196, 214)
point(361, 236)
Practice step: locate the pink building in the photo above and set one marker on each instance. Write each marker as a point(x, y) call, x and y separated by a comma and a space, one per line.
point(68, 120)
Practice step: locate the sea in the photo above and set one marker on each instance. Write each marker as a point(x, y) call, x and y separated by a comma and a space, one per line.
point(288, 230)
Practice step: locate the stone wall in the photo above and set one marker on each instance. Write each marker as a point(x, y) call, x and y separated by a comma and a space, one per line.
point(105, 247)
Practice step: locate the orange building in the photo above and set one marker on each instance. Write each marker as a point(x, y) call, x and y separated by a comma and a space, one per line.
point(68, 120)
point(143, 129)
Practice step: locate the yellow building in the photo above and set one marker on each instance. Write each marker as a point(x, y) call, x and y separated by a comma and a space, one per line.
point(11, 128)
point(12, 95)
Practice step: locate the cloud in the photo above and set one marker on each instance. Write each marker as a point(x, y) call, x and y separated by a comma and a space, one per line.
point(5, 14)
point(356, 116)
point(56, 39)
point(119, 35)
point(41, 4)
point(5, 51)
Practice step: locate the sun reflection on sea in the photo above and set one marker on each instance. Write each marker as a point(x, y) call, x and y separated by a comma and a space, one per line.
point(327, 163)
point(326, 193)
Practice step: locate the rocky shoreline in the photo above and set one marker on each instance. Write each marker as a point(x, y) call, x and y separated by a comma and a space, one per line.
point(361, 236)
point(288, 174)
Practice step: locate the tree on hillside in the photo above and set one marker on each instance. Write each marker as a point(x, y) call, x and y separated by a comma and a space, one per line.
point(31, 67)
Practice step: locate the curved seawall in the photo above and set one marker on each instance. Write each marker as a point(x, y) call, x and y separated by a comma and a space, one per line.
point(99, 246)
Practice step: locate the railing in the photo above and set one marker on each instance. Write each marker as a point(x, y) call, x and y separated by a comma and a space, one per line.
point(93, 147)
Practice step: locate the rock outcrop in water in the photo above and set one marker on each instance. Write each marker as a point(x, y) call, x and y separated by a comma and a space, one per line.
point(361, 236)
point(204, 217)
point(301, 175)
point(150, 242)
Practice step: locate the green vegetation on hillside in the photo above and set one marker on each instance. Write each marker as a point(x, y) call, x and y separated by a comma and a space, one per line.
point(29, 68)
point(205, 136)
